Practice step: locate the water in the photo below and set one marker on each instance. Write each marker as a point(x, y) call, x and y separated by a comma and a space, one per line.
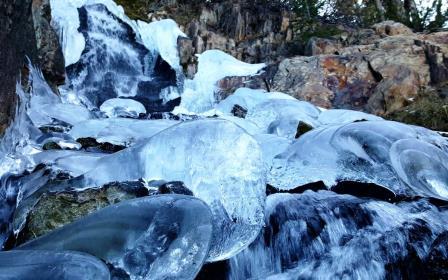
point(125, 91)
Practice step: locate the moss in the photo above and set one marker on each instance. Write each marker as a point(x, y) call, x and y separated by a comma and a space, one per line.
point(307, 30)
point(181, 11)
point(136, 9)
point(55, 210)
point(430, 110)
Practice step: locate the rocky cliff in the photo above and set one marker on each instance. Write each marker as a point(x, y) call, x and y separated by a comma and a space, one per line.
point(25, 31)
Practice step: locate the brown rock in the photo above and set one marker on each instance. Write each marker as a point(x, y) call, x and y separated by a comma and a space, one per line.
point(379, 77)
point(391, 28)
point(16, 40)
point(51, 59)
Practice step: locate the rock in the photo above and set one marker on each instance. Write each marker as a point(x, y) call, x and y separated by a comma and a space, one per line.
point(303, 128)
point(437, 265)
point(51, 146)
point(251, 33)
point(175, 187)
point(379, 77)
point(54, 210)
point(239, 111)
point(49, 51)
point(391, 28)
point(17, 39)
point(316, 46)
point(90, 143)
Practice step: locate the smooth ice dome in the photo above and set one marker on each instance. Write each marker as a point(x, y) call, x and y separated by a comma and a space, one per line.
point(421, 166)
point(122, 107)
point(119, 131)
point(216, 159)
point(282, 116)
point(359, 152)
point(51, 265)
point(248, 99)
point(340, 116)
point(158, 237)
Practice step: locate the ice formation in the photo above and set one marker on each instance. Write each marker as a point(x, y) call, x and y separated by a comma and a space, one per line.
point(282, 116)
point(119, 131)
point(216, 159)
point(161, 37)
point(123, 81)
point(122, 107)
point(324, 236)
point(159, 237)
point(248, 99)
point(340, 116)
point(362, 152)
point(213, 65)
point(51, 265)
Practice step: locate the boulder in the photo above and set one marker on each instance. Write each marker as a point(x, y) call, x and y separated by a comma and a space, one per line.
point(391, 28)
point(380, 77)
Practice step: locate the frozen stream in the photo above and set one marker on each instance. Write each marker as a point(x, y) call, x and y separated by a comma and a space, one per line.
point(357, 197)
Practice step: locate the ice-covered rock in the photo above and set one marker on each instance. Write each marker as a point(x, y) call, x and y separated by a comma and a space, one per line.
point(73, 162)
point(119, 131)
point(248, 99)
point(322, 235)
point(159, 237)
point(216, 159)
point(161, 37)
point(422, 166)
point(213, 65)
point(357, 151)
point(122, 107)
point(340, 116)
point(271, 146)
point(51, 265)
point(282, 116)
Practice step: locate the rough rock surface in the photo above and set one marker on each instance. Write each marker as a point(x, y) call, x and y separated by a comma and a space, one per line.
point(25, 31)
point(16, 40)
point(381, 76)
point(49, 52)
